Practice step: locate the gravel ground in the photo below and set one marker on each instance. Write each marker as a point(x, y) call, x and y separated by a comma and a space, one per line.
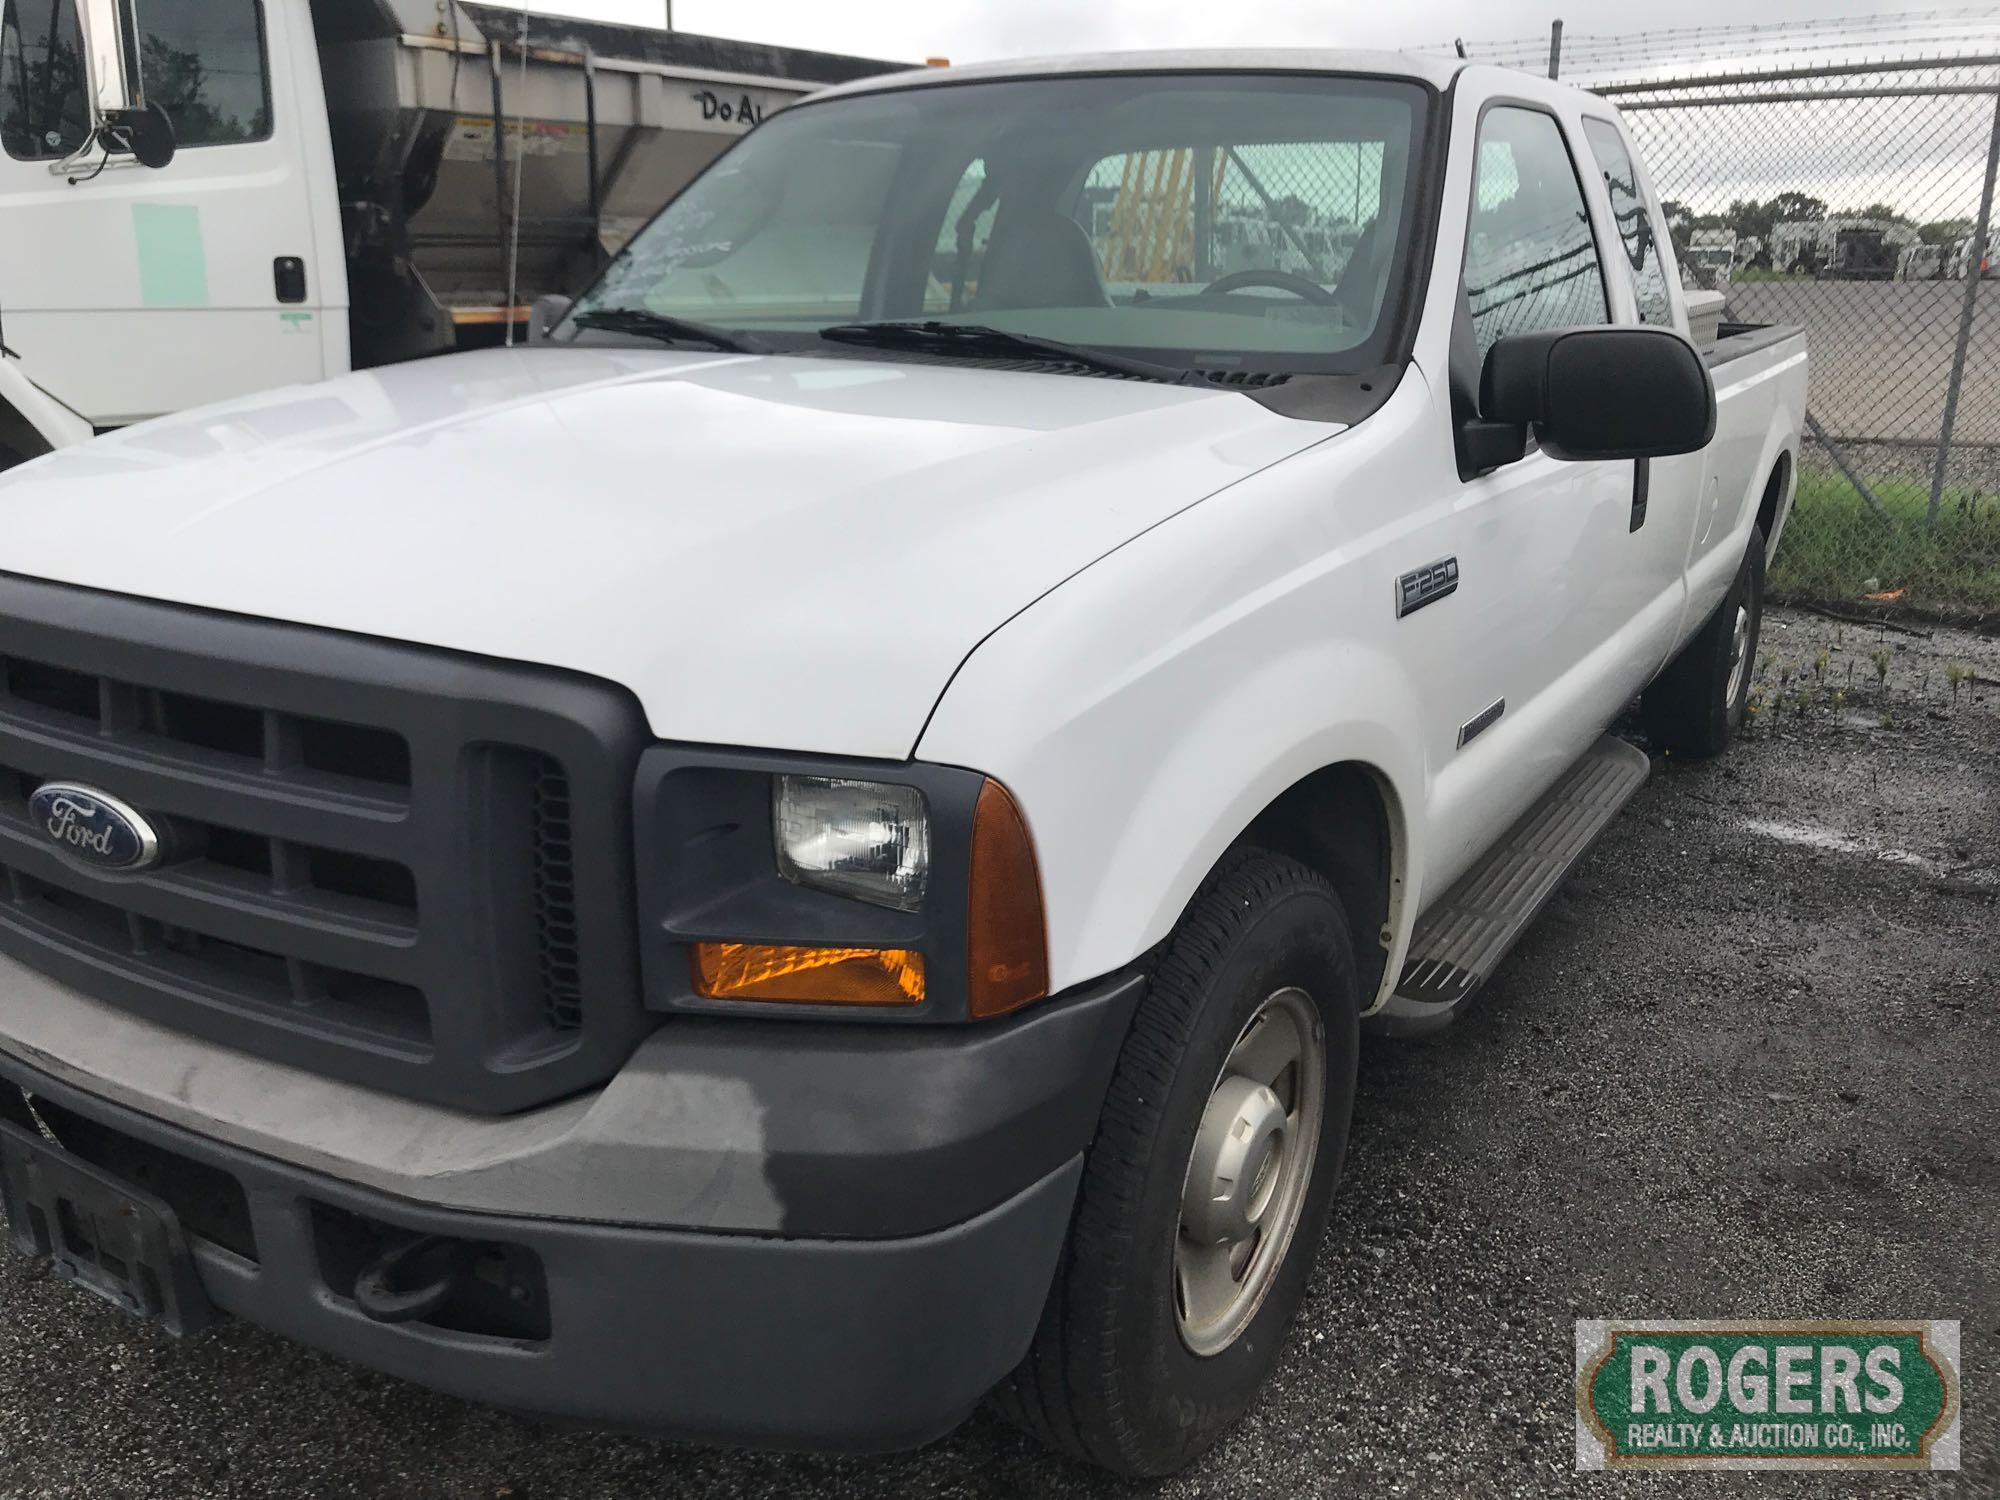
point(1745, 1064)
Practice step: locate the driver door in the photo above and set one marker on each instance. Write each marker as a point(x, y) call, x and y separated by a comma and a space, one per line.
point(1541, 547)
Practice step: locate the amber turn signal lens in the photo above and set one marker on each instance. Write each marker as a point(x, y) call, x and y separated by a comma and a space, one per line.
point(808, 976)
point(1007, 945)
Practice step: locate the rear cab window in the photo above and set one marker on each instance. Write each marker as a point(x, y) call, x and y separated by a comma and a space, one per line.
point(1637, 219)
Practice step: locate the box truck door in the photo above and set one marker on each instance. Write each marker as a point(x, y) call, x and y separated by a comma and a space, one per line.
point(130, 291)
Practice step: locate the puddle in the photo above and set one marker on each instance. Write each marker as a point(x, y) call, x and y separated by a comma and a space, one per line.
point(1833, 841)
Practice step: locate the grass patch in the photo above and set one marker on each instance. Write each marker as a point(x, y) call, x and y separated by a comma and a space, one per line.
point(1836, 549)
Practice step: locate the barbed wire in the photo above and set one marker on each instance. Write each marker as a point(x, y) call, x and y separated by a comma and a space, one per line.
point(1967, 22)
point(1939, 35)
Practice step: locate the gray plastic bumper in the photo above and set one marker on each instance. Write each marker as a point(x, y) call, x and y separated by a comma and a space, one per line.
point(809, 1130)
point(855, 1344)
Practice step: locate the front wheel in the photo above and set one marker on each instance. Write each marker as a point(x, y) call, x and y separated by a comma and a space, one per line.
point(1205, 1192)
point(1698, 704)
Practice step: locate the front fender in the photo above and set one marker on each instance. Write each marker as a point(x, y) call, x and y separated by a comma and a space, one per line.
point(1146, 712)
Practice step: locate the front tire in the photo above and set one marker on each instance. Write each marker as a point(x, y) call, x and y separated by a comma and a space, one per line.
point(1206, 1190)
point(1697, 705)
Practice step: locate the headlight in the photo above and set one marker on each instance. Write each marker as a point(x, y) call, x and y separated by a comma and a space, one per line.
point(867, 839)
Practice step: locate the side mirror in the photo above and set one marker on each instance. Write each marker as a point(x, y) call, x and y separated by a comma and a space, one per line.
point(147, 133)
point(1601, 393)
point(543, 315)
point(119, 113)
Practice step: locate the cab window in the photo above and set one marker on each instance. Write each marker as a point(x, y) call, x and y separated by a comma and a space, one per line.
point(1531, 261)
point(206, 62)
point(1636, 232)
point(44, 110)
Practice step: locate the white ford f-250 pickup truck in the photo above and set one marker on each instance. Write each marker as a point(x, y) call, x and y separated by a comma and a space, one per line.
point(822, 840)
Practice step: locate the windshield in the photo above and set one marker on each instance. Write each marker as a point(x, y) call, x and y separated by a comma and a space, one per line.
point(1232, 222)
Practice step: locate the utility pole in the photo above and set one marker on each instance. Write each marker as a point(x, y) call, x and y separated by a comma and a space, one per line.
point(670, 14)
point(1555, 48)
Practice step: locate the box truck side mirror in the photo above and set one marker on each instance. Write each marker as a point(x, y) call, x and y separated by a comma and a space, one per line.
point(119, 113)
point(146, 132)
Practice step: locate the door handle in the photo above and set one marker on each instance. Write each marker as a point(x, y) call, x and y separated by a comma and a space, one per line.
point(289, 273)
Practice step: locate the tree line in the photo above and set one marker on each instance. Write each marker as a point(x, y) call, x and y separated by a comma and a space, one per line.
point(1753, 218)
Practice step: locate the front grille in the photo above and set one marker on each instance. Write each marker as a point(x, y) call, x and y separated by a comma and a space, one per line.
point(374, 853)
point(555, 897)
point(328, 998)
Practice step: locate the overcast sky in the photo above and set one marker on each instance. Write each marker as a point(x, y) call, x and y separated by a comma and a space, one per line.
point(1924, 156)
point(968, 30)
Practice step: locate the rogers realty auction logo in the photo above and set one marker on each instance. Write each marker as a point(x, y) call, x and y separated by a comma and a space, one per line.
point(1751, 1395)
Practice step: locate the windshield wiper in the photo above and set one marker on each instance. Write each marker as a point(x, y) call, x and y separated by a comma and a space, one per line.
point(642, 322)
point(977, 340)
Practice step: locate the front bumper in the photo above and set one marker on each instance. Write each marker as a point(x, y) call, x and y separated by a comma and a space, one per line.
point(911, 1199)
point(731, 1338)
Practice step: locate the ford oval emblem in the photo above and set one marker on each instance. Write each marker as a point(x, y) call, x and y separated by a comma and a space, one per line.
point(94, 827)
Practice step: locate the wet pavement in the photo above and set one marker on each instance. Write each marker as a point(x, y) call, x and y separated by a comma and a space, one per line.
point(1746, 1064)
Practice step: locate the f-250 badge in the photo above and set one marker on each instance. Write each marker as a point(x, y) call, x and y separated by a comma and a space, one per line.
point(1426, 586)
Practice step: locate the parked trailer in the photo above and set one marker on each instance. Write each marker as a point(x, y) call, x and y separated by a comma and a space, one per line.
point(341, 184)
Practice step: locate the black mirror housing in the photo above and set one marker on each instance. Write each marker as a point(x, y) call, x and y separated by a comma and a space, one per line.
point(544, 313)
point(147, 133)
point(1595, 394)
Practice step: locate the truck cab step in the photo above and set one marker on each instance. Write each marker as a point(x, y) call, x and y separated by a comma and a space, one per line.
point(1461, 939)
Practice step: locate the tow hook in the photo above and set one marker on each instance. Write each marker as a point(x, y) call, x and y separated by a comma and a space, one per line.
point(412, 1282)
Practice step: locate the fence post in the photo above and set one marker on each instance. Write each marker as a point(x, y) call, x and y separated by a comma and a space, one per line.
point(1555, 48)
point(1974, 261)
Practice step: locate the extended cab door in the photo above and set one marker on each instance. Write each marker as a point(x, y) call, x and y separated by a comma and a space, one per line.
point(1528, 655)
point(129, 291)
point(1670, 505)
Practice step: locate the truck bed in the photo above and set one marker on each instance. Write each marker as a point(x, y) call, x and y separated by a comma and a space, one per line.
point(1734, 341)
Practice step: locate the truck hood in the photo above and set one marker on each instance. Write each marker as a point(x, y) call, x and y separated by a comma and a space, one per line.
point(781, 552)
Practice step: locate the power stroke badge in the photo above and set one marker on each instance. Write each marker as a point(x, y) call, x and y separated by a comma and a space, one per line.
point(1767, 1395)
point(94, 827)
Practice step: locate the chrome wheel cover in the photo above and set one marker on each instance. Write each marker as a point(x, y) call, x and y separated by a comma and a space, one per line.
point(1739, 655)
point(1249, 1172)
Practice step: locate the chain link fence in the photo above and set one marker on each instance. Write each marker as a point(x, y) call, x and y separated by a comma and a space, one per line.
point(1856, 200)
point(1839, 175)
